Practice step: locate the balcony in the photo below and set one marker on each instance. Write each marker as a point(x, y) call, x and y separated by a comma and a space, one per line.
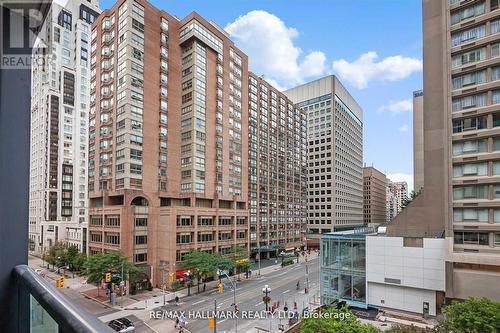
point(50, 310)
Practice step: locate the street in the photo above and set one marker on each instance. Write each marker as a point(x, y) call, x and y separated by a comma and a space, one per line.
point(249, 295)
point(249, 298)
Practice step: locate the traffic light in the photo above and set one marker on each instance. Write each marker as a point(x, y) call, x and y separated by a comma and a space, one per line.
point(220, 286)
point(211, 322)
point(58, 283)
point(61, 281)
point(107, 277)
point(171, 277)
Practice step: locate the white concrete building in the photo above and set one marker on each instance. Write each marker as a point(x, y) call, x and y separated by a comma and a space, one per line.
point(335, 153)
point(406, 274)
point(59, 128)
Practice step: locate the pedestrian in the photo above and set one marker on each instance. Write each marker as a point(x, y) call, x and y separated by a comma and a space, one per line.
point(176, 322)
point(204, 286)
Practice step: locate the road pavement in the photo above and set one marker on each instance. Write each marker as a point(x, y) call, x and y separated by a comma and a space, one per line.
point(249, 298)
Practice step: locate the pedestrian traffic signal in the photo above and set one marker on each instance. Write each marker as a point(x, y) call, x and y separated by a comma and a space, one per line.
point(107, 277)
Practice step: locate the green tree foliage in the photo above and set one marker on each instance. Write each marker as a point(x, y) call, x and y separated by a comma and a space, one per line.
point(474, 315)
point(98, 264)
point(335, 324)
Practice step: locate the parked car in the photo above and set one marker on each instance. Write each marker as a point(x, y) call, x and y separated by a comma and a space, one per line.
point(122, 325)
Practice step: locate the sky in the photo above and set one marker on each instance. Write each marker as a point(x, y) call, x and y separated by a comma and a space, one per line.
point(373, 46)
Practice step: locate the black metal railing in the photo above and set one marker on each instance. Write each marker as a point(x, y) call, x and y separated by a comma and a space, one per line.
point(67, 317)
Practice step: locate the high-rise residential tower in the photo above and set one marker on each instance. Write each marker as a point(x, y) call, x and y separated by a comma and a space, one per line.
point(374, 196)
point(461, 196)
point(169, 143)
point(276, 166)
point(418, 140)
point(59, 129)
point(397, 195)
point(335, 153)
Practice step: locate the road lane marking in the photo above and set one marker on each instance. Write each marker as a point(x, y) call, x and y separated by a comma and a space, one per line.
point(223, 320)
point(203, 300)
point(286, 291)
point(259, 303)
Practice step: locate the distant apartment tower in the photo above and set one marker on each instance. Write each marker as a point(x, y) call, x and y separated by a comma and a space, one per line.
point(398, 193)
point(335, 152)
point(276, 169)
point(168, 138)
point(59, 129)
point(374, 196)
point(461, 196)
point(418, 140)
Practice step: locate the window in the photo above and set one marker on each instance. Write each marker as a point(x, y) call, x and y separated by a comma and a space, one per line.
point(495, 50)
point(469, 124)
point(495, 26)
point(496, 119)
point(141, 222)
point(467, 102)
point(472, 169)
point(467, 13)
point(495, 96)
point(135, 169)
point(467, 35)
point(473, 237)
point(470, 79)
point(495, 73)
point(470, 192)
point(469, 147)
point(140, 240)
point(141, 257)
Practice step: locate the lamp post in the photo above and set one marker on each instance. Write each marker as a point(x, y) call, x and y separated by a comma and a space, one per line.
point(266, 290)
point(233, 283)
point(282, 255)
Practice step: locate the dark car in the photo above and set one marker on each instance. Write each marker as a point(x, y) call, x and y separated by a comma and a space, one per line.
point(122, 325)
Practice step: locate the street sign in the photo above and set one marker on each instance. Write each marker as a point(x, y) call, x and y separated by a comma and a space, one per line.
point(107, 277)
point(122, 283)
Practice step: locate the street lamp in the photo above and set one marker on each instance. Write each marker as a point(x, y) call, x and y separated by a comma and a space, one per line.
point(266, 290)
point(282, 255)
point(187, 275)
point(222, 272)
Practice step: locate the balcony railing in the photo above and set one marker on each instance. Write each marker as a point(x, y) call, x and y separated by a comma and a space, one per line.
point(50, 310)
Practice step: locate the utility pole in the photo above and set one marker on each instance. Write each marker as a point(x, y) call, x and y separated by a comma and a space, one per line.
point(215, 315)
point(122, 284)
point(259, 259)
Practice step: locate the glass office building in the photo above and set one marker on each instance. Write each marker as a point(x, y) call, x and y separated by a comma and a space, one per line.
point(343, 266)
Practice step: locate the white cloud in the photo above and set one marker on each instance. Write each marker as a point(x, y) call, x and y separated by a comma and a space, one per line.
point(395, 107)
point(270, 46)
point(403, 128)
point(402, 177)
point(366, 68)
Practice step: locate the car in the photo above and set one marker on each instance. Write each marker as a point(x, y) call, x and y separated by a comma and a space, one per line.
point(122, 325)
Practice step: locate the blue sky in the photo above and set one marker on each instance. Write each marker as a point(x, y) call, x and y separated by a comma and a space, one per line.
point(321, 37)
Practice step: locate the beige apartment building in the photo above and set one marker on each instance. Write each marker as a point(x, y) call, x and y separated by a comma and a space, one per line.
point(169, 143)
point(335, 156)
point(418, 140)
point(374, 196)
point(461, 195)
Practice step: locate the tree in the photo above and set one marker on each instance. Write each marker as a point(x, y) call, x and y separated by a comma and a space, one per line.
point(202, 264)
point(339, 321)
point(100, 263)
point(474, 315)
